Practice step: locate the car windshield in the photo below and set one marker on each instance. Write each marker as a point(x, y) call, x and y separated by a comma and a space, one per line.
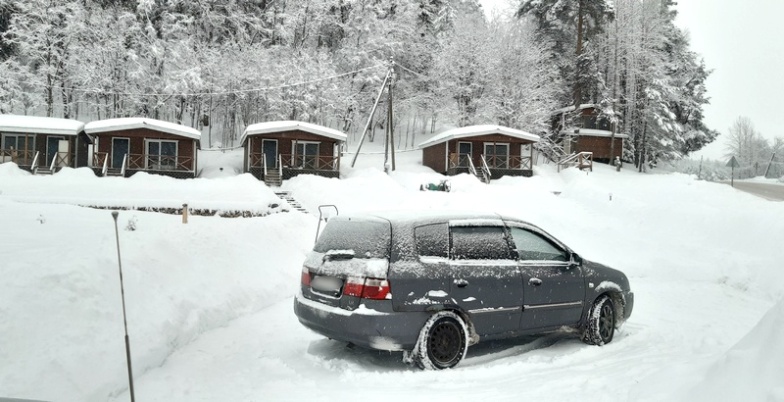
point(366, 238)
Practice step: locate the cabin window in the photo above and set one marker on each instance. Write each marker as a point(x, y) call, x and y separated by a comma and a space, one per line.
point(464, 152)
point(161, 155)
point(306, 155)
point(497, 155)
point(18, 142)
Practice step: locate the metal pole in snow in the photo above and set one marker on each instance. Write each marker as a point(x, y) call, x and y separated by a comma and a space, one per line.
point(125, 321)
point(370, 119)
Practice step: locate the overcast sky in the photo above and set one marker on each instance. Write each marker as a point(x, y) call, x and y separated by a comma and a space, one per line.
point(741, 42)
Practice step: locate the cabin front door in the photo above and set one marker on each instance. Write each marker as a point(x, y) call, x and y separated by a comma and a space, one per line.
point(52, 147)
point(270, 150)
point(120, 148)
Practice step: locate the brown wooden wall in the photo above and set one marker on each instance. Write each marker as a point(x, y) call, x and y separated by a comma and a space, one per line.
point(40, 146)
point(433, 156)
point(185, 146)
point(600, 146)
point(285, 138)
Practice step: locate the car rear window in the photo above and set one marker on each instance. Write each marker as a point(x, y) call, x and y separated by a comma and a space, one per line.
point(367, 238)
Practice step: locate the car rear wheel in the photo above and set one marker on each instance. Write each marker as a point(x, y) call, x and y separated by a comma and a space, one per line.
point(442, 343)
point(600, 328)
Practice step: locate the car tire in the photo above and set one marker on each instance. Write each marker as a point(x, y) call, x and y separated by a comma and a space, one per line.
point(442, 342)
point(600, 326)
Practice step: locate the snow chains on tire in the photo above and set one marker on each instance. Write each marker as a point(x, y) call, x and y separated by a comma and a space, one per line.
point(602, 312)
point(421, 355)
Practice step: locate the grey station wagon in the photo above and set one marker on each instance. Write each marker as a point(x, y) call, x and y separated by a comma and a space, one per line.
point(431, 284)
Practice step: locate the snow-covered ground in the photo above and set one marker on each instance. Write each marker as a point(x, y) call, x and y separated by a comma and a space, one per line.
point(209, 303)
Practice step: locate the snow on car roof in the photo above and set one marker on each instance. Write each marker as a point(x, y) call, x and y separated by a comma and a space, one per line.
point(290, 125)
point(10, 123)
point(427, 215)
point(473, 131)
point(129, 123)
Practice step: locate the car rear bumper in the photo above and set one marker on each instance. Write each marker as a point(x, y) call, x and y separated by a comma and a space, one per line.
point(378, 328)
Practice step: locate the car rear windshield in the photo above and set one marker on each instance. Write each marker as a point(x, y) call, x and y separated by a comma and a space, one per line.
point(367, 238)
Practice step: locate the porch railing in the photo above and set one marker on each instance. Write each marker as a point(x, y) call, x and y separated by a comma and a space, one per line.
point(471, 167)
point(34, 165)
point(309, 162)
point(486, 175)
point(145, 162)
point(22, 157)
point(582, 160)
point(508, 162)
point(60, 159)
point(101, 159)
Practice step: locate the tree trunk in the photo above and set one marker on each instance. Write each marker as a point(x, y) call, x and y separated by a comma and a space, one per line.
point(577, 90)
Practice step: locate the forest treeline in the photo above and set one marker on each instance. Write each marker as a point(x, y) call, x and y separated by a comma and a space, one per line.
point(224, 64)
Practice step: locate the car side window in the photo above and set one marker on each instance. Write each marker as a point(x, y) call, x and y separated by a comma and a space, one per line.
point(534, 247)
point(480, 243)
point(432, 240)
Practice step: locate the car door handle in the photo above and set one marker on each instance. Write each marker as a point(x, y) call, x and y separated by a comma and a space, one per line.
point(534, 281)
point(461, 283)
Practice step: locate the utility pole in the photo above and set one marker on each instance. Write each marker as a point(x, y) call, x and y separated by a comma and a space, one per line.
point(390, 117)
point(769, 162)
point(370, 118)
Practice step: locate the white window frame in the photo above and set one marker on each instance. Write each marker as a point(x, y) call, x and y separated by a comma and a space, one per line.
point(17, 135)
point(494, 144)
point(470, 154)
point(295, 144)
point(160, 142)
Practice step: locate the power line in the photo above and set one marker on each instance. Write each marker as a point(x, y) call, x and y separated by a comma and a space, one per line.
point(240, 91)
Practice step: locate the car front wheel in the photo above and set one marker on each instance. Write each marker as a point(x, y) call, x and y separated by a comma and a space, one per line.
point(600, 327)
point(442, 343)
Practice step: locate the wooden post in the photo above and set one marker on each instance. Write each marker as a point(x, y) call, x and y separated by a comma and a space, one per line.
point(184, 213)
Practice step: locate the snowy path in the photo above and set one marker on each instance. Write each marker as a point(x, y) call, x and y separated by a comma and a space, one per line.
point(270, 356)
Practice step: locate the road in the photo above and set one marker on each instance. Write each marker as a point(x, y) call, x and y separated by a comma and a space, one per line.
point(772, 192)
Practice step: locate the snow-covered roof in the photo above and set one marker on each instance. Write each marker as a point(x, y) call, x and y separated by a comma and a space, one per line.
point(571, 108)
point(10, 123)
point(474, 131)
point(291, 125)
point(130, 123)
point(592, 132)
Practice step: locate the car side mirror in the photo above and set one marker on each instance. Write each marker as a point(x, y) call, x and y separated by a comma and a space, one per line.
point(576, 261)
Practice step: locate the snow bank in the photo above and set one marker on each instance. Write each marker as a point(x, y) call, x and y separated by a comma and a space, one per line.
point(752, 370)
point(60, 308)
point(142, 190)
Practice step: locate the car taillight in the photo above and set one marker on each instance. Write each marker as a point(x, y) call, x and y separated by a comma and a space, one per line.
point(353, 287)
point(370, 288)
point(376, 289)
point(305, 277)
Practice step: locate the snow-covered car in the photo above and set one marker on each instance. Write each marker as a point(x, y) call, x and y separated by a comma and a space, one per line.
point(431, 284)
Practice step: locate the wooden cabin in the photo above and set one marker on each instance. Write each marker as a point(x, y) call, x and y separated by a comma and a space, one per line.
point(583, 129)
point(279, 150)
point(43, 144)
point(126, 146)
point(486, 151)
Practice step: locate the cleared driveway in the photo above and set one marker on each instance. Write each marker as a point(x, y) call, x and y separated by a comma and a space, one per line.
point(772, 192)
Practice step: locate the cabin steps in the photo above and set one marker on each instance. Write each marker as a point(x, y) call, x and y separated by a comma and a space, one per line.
point(273, 179)
point(114, 173)
point(43, 171)
point(286, 196)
